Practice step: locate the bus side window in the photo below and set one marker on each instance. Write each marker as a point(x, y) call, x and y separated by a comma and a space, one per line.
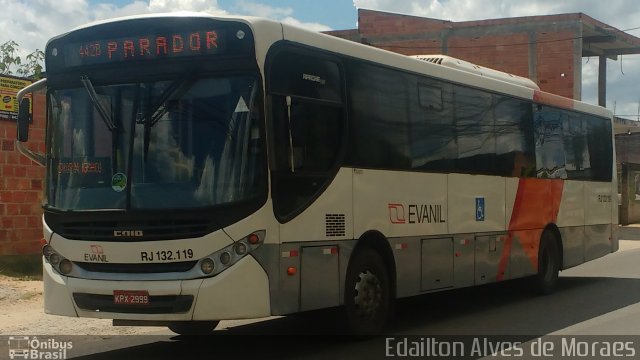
point(550, 156)
point(600, 148)
point(430, 97)
point(380, 127)
point(312, 141)
point(433, 145)
point(315, 131)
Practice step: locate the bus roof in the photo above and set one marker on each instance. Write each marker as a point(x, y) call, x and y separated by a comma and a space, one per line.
point(451, 69)
point(518, 88)
point(177, 14)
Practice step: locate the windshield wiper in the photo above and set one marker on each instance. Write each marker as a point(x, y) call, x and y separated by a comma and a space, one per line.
point(157, 110)
point(104, 114)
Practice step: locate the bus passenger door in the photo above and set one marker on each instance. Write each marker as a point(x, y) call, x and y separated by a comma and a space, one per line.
point(311, 192)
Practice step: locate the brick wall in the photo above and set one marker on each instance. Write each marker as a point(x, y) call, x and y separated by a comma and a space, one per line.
point(555, 58)
point(541, 48)
point(21, 183)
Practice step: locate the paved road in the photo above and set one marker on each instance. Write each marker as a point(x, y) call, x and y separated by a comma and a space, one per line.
point(598, 298)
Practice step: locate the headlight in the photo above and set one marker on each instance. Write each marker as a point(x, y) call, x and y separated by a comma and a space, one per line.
point(231, 254)
point(57, 261)
point(207, 266)
point(54, 259)
point(47, 250)
point(225, 257)
point(65, 266)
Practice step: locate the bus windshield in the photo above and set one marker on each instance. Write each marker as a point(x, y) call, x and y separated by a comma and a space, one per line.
point(171, 144)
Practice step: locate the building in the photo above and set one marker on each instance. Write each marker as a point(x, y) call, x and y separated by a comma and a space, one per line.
point(546, 49)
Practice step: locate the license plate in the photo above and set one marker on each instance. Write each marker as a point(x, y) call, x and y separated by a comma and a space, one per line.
point(131, 297)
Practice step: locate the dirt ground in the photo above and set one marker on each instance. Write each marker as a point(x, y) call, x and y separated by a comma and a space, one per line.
point(21, 313)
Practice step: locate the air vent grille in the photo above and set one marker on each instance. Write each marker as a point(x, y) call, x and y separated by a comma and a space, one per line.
point(161, 229)
point(335, 225)
point(435, 60)
point(138, 268)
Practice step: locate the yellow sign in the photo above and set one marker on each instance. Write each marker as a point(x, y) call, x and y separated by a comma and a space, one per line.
point(9, 87)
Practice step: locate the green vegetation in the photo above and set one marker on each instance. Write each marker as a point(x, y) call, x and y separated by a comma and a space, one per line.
point(24, 267)
point(11, 63)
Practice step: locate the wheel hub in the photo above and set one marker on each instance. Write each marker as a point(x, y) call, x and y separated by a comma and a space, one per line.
point(368, 297)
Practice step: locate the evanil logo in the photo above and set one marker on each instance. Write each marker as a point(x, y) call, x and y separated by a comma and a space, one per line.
point(416, 213)
point(97, 254)
point(25, 347)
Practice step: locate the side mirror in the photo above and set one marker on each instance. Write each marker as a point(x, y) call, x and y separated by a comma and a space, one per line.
point(24, 118)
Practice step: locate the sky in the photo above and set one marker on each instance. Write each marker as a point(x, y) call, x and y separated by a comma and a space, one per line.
point(31, 23)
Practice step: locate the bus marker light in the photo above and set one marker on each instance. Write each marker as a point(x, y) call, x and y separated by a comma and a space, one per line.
point(330, 251)
point(292, 253)
point(291, 271)
point(253, 239)
point(240, 248)
point(402, 246)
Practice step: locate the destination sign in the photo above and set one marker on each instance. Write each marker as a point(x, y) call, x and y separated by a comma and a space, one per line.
point(146, 47)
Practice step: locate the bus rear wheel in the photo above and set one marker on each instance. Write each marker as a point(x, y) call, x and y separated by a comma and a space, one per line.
point(367, 294)
point(549, 262)
point(193, 327)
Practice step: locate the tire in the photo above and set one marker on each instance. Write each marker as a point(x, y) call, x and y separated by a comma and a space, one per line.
point(546, 280)
point(193, 327)
point(367, 300)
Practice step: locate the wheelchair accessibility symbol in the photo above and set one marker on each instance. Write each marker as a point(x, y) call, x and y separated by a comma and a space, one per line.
point(480, 209)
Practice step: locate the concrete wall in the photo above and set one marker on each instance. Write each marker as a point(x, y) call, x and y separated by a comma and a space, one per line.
point(630, 194)
point(628, 148)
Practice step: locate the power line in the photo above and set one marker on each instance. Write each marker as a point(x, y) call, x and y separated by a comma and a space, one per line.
point(625, 30)
point(490, 46)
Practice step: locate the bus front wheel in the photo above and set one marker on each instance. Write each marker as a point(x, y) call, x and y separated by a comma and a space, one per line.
point(367, 293)
point(193, 327)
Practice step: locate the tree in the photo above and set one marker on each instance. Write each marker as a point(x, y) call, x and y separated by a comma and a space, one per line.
point(12, 64)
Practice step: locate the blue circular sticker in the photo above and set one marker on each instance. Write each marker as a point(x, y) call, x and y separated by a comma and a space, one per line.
point(118, 182)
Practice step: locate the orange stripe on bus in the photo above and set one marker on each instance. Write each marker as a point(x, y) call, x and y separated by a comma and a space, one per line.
point(537, 204)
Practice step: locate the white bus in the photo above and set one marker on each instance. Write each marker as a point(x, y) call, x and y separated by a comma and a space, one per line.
point(206, 168)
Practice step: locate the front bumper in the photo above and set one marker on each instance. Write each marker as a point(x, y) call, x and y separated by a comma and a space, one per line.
point(240, 292)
